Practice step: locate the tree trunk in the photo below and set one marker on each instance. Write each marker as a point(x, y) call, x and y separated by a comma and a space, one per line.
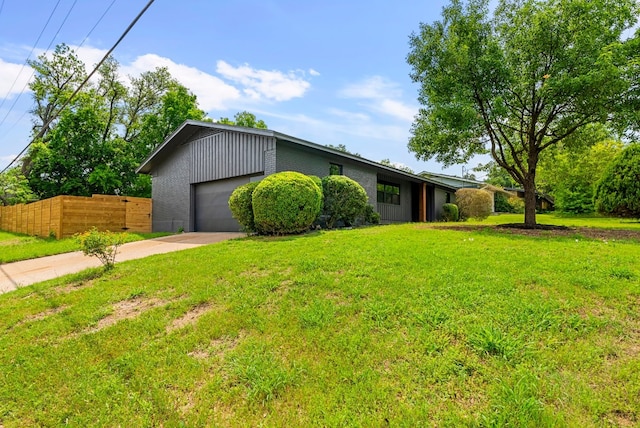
point(530, 202)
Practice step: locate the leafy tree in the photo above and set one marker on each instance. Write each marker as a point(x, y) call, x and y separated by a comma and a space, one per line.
point(342, 148)
point(14, 188)
point(55, 79)
point(618, 192)
point(570, 176)
point(521, 81)
point(110, 127)
point(244, 118)
point(496, 175)
point(395, 165)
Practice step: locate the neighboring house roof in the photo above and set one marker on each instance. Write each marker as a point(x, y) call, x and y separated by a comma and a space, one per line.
point(191, 127)
point(452, 180)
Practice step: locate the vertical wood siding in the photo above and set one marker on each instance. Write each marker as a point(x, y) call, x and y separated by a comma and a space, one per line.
point(390, 213)
point(228, 154)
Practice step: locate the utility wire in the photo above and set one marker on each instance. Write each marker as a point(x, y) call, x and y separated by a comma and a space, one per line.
point(32, 49)
point(15, 101)
point(97, 23)
point(45, 125)
point(48, 47)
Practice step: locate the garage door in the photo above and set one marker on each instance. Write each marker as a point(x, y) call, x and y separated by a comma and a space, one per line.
point(212, 205)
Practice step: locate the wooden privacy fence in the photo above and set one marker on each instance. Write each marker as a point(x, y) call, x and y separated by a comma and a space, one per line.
point(65, 216)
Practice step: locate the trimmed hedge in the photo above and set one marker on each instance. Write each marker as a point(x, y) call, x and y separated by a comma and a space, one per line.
point(474, 203)
point(344, 199)
point(618, 191)
point(285, 202)
point(241, 206)
point(450, 212)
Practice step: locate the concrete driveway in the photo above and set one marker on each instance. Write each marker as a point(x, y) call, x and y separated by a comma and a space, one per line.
point(27, 272)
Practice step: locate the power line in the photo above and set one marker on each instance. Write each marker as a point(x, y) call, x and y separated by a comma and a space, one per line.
point(15, 101)
point(46, 24)
point(97, 23)
point(45, 125)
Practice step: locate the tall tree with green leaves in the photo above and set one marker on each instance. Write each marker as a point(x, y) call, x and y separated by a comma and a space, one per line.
point(97, 142)
point(520, 79)
point(14, 188)
point(244, 118)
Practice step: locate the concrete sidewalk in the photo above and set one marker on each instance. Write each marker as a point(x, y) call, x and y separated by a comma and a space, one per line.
point(27, 272)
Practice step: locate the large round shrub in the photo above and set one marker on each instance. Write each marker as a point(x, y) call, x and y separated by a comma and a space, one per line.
point(474, 203)
point(286, 202)
point(344, 199)
point(618, 191)
point(241, 206)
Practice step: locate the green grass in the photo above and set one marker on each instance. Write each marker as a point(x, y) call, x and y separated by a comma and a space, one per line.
point(388, 326)
point(15, 246)
point(563, 220)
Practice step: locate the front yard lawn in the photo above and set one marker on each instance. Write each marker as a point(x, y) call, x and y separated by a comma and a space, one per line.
point(15, 246)
point(401, 325)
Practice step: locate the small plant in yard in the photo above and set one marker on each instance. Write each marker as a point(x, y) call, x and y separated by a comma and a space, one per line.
point(103, 245)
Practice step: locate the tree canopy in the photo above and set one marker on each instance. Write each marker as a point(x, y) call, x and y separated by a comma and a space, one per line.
point(521, 79)
point(618, 191)
point(106, 131)
point(244, 118)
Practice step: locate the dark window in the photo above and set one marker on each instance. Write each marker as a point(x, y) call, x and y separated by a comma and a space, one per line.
point(335, 169)
point(388, 193)
point(448, 197)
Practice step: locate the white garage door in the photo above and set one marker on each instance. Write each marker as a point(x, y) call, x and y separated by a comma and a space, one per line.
point(212, 205)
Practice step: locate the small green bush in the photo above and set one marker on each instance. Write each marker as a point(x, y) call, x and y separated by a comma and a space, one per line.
point(370, 215)
point(474, 203)
point(450, 212)
point(344, 199)
point(241, 206)
point(285, 202)
point(618, 191)
point(517, 205)
point(103, 245)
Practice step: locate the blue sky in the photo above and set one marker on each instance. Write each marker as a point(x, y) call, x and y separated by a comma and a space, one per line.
point(331, 72)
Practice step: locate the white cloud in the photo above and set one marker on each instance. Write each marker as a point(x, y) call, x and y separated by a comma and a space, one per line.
point(258, 84)
point(376, 87)
point(313, 72)
point(9, 84)
point(381, 96)
point(212, 92)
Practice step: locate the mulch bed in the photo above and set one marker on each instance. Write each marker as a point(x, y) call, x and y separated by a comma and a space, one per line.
point(546, 230)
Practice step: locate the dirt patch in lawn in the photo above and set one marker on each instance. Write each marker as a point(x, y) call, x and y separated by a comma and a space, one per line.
point(190, 317)
point(218, 347)
point(41, 315)
point(127, 309)
point(547, 231)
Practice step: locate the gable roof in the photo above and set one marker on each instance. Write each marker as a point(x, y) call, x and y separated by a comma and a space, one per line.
point(191, 127)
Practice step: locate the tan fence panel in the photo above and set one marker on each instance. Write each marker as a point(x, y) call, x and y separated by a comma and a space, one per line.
point(65, 216)
point(138, 217)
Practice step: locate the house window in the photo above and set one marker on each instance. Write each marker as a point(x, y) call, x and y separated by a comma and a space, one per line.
point(448, 197)
point(335, 169)
point(388, 193)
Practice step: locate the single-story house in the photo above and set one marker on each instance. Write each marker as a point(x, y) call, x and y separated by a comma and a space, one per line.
point(197, 167)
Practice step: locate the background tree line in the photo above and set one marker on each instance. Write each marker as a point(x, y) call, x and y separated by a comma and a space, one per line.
point(95, 143)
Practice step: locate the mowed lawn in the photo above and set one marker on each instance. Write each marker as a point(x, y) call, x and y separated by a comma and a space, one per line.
point(402, 325)
point(16, 246)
